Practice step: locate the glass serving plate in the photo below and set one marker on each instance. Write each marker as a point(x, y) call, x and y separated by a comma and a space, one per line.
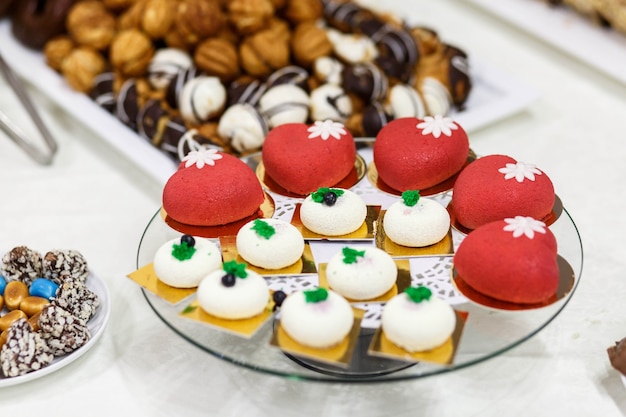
point(488, 332)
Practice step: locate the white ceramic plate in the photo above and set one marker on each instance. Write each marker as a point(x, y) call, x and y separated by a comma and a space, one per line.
point(96, 326)
point(602, 48)
point(495, 95)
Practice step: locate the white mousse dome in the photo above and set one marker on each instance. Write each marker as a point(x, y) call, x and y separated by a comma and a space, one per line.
point(270, 243)
point(418, 326)
point(423, 224)
point(361, 273)
point(180, 271)
point(321, 324)
point(346, 215)
point(247, 298)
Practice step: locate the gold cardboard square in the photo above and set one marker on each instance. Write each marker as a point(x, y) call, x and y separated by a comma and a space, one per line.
point(443, 355)
point(403, 281)
point(147, 278)
point(339, 355)
point(365, 232)
point(304, 265)
point(245, 327)
point(444, 247)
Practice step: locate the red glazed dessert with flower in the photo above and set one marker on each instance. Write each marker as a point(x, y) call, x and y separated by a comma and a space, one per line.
point(512, 260)
point(495, 187)
point(302, 158)
point(212, 188)
point(416, 154)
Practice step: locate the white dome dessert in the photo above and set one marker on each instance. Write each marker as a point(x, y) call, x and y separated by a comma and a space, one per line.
point(361, 273)
point(336, 216)
point(418, 321)
point(183, 265)
point(416, 222)
point(270, 243)
point(316, 318)
point(233, 292)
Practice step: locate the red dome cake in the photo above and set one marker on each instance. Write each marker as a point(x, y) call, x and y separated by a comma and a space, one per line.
point(212, 188)
point(497, 186)
point(513, 260)
point(302, 158)
point(416, 154)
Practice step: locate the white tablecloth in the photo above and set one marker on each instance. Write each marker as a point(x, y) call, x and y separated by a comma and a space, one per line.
point(94, 200)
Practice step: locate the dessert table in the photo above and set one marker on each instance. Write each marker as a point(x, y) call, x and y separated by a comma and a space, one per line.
point(98, 201)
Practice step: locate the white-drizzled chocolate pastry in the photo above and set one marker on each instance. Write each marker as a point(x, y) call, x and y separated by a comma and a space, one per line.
point(165, 64)
point(330, 101)
point(176, 139)
point(398, 54)
point(24, 351)
point(127, 103)
point(243, 127)
point(405, 101)
point(328, 70)
point(103, 92)
point(284, 103)
point(149, 119)
point(202, 99)
point(375, 117)
point(175, 87)
point(245, 90)
point(367, 81)
point(291, 74)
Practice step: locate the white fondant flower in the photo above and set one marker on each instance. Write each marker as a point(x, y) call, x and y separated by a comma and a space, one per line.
point(201, 157)
point(520, 171)
point(437, 125)
point(326, 129)
point(526, 226)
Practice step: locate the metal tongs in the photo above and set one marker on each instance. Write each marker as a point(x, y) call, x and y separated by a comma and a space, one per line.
point(15, 133)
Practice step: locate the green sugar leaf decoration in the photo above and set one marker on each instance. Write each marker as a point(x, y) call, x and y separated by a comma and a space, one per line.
point(315, 296)
point(411, 197)
point(350, 255)
point(183, 252)
point(235, 268)
point(418, 294)
point(263, 229)
point(318, 196)
point(189, 309)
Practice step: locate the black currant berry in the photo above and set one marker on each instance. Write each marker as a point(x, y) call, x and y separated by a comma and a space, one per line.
point(330, 198)
point(228, 280)
point(189, 240)
point(278, 297)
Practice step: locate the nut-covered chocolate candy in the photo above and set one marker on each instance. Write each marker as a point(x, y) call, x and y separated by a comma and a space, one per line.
point(202, 99)
point(62, 331)
point(284, 103)
point(57, 264)
point(89, 23)
point(131, 52)
point(243, 127)
point(21, 264)
point(330, 101)
point(165, 65)
point(74, 296)
point(24, 351)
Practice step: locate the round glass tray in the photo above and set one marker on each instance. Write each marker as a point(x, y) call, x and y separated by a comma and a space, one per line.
point(487, 333)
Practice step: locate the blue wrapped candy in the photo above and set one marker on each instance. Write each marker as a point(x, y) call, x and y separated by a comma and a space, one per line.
point(3, 284)
point(42, 287)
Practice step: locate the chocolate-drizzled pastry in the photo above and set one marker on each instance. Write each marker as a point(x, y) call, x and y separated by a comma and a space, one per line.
point(330, 101)
point(243, 127)
point(341, 14)
point(149, 119)
point(176, 85)
point(5, 7)
point(103, 91)
point(177, 140)
point(245, 90)
point(366, 81)
point(291, 74)
point(127, 103)
point(202, 99)
point(35, 22)
point(284, 103)
point(165, 64)
point(436, 96)
point(328, 70)
point(405, 101)
point(398, 54)
point(374, 118)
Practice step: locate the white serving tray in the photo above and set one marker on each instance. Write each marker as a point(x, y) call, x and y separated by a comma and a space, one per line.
point(495, 95)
